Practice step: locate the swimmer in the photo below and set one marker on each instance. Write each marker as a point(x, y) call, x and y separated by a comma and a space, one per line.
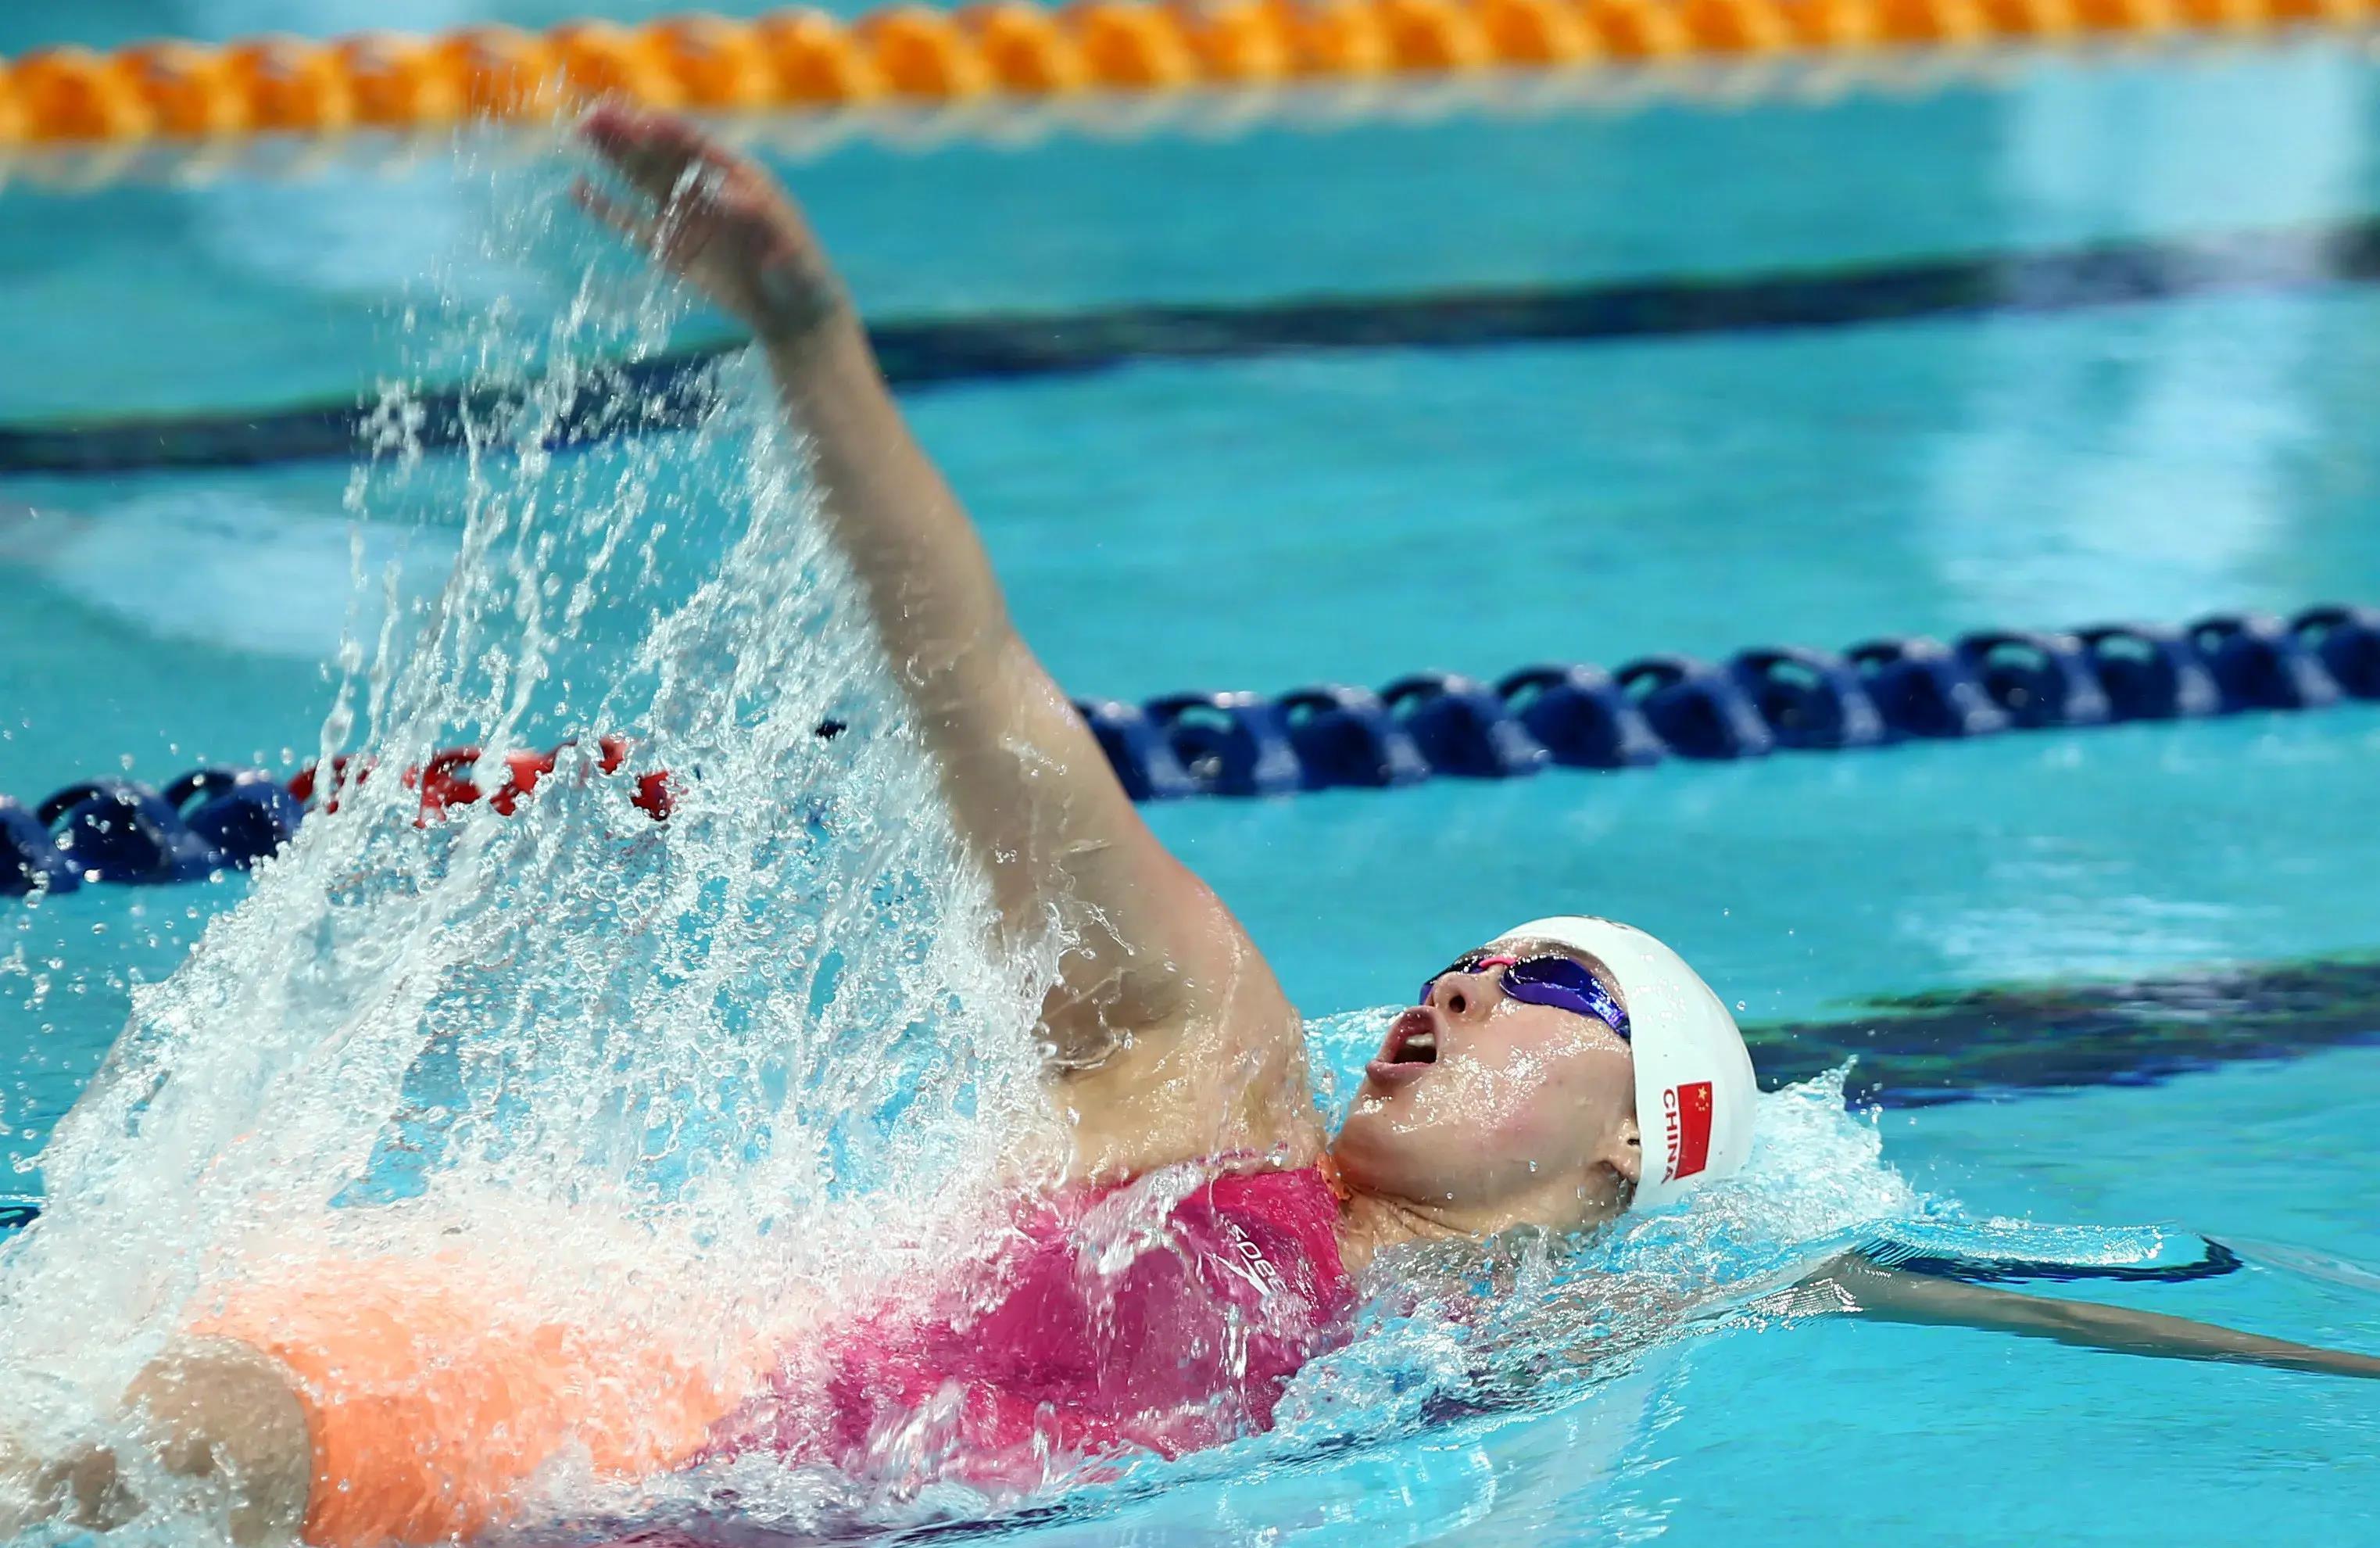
point(1554, 1079)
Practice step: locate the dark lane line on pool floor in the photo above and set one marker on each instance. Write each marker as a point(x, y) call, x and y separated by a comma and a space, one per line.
point(1978, 1045)
point(671, 391)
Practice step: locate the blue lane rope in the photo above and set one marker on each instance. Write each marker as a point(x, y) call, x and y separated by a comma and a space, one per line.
point(1758, 702)
point(114, 830)
point(1442, 724)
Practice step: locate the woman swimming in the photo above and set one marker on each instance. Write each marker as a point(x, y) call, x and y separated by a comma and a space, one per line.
point(1554, 1078)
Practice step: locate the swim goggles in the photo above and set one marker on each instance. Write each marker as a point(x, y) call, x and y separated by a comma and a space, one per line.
point(1551, 980)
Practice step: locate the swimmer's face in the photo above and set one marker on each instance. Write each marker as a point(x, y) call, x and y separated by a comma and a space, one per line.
point(1487, 1112)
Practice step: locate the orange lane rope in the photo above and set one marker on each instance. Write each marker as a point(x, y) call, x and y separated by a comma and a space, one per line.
point(911, 54)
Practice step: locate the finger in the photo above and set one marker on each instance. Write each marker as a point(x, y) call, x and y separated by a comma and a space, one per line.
point(604, 118)
point(673, 242)
point(612, 126)
point(641, 230)
point(624, 136)
point(653, 151)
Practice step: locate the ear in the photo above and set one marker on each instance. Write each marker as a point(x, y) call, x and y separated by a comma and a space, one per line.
point(1627, 1156)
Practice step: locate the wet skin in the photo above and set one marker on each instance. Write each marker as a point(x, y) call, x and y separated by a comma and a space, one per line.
point(1488, 1106)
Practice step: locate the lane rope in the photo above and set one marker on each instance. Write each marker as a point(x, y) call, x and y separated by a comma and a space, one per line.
point(805, 59)
point(213, 820)
point(1760, 700)
point(1425, 725)
point(1211, 114)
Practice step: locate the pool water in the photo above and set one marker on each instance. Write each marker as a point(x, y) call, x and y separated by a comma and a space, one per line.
point(1350, 515)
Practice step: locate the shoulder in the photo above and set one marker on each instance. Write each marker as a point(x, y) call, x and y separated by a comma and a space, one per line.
point(1225, 1076)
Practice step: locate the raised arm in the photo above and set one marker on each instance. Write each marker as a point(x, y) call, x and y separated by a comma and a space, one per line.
point(1891, 1296)
point(1175, 1039)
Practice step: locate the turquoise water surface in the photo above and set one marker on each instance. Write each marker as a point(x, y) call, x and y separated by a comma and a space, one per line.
point(1353, 514)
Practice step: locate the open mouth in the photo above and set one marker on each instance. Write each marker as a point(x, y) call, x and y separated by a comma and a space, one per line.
point(1410, 1050)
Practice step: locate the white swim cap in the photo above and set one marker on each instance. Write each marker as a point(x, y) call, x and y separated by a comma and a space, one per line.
point(1694, 1088)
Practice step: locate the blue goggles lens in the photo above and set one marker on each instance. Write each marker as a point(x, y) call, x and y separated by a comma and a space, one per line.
point(1545, 980)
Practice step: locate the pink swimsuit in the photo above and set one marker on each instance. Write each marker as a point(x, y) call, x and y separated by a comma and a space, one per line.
point(1167, 1314)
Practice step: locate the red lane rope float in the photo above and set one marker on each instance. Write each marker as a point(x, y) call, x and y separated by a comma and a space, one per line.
point(807, 58)
point(446, 781)
point(212, 820)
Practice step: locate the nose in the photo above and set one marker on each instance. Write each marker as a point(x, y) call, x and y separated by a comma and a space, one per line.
point(1464, 995)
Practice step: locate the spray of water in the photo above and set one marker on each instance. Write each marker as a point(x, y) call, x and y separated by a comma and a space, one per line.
point(674, 1079)
point(685, 1073)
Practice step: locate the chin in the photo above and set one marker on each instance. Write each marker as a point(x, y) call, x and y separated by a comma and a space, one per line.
point(1352, 1152)
point(1371, 1160)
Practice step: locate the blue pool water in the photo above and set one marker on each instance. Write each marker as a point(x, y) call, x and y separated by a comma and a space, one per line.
point(1353, 514)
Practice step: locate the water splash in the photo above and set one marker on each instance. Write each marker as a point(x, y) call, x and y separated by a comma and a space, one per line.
point(680, 1077)
point(703, 1070)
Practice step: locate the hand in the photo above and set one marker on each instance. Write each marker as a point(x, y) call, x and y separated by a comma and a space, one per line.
point(715, 218)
